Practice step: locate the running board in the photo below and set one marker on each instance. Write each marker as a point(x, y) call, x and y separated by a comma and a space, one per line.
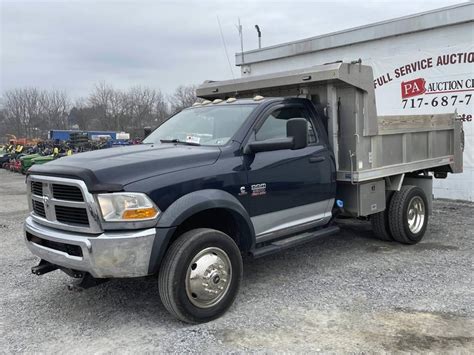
point(293, 241)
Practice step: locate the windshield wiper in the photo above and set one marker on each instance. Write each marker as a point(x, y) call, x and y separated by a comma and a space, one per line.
point(177, 141)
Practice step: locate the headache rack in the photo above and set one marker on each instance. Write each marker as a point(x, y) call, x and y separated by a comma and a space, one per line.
point(366, 146)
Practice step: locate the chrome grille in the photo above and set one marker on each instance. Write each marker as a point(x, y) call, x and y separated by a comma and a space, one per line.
point(71, 215)
point(37, 188)
point(67, 192)
point(38, 208)
point(63, 203)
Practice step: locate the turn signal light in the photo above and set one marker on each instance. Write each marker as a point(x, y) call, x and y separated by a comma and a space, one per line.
point(140, 213)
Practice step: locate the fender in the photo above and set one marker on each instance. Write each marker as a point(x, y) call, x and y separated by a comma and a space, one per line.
point(187, 206)
point(198, 201)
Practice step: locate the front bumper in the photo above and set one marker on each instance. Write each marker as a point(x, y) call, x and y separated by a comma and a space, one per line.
point(110, 254)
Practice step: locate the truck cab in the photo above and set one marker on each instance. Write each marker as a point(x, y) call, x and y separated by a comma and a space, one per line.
point(225, 178)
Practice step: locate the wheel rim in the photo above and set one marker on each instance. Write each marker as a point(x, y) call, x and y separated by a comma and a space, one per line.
point(416, 214)
point(208, 277)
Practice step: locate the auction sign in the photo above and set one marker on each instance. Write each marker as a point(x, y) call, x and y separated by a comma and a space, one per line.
point(428, 82)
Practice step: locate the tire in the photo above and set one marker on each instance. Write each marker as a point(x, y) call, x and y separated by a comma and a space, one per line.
point(214, 259)
point(408, 215)
point(380, 225)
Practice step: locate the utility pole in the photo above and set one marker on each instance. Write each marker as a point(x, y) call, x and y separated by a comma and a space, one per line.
point(239, 28)
point(259, 36)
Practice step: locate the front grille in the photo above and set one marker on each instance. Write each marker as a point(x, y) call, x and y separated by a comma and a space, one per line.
point(38, 208)
point(67, 192)
point(70, 249)
point(72, 215)
point(37, 188)
point(63, 203)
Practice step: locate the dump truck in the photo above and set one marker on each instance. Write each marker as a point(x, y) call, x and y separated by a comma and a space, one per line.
point(262, 164)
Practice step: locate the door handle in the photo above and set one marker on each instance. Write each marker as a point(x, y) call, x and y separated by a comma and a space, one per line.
point(316, 159)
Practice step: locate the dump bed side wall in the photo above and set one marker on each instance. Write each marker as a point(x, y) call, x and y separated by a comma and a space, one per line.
point(403, 144)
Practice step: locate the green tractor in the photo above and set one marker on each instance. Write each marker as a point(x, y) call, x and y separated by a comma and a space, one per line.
point(42, 159)
point(27, 161)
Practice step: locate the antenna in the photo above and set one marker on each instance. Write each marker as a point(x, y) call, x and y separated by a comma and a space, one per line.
point(259, 36)
point(225, 48)
point(239, 28)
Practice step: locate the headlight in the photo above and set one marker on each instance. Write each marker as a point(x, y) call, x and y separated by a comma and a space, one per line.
point(127, 206)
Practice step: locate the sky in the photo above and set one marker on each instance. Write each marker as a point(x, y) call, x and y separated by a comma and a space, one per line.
point(72, 45)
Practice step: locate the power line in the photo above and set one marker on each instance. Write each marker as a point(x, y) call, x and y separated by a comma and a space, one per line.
point(225, 48)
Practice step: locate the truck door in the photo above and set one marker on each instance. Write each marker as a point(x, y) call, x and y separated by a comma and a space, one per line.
point(289, 189)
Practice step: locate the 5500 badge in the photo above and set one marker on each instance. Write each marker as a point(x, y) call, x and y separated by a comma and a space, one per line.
point(257, 190)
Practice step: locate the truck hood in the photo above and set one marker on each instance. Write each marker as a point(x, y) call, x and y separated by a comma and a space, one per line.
point(108, 170)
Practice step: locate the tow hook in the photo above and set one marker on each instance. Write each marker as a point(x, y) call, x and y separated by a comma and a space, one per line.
point(43, 267)
point(83, 281)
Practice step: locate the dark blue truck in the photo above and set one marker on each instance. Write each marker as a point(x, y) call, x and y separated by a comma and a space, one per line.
point(225, 178)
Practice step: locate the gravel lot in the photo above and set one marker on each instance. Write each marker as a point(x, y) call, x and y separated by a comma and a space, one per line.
point(344, 293)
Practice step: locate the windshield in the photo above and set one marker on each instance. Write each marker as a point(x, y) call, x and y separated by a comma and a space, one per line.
point(213, 125)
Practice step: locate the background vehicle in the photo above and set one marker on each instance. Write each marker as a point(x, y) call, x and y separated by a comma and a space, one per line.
point(256, 174)
point(19, 157)
point(26, 161)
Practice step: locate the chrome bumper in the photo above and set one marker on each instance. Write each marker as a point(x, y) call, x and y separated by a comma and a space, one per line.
point(110, 254)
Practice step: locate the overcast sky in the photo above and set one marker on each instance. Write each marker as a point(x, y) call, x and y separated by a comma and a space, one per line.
point(73, 44)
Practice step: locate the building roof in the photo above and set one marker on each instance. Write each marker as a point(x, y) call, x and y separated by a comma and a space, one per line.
point(445, 16)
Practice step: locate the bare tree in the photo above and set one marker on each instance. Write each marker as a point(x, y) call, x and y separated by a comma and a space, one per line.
point(22, 109)
point(183, 96)
point(55, 106)
point(128, 110)
point(104, 100)
point(146, 107)
point(3, 125)
point(86, 117)
point(30, 112)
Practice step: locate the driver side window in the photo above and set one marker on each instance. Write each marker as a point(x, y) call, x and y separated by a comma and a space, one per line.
point(275, 124)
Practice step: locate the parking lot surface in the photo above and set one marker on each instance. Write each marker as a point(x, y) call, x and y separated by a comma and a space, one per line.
point(348, 292)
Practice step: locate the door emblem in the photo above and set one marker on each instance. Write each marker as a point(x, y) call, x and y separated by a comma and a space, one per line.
point(259, 189)
point(243, 191)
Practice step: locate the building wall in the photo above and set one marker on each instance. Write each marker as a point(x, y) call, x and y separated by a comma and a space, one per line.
point(386, 55)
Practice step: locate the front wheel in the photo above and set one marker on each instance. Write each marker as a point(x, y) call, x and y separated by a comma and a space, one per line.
point(200, 275)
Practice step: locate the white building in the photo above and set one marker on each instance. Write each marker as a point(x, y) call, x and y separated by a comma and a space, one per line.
point(423, 64)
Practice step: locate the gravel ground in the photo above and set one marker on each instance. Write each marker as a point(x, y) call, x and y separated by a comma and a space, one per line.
point(346, 293)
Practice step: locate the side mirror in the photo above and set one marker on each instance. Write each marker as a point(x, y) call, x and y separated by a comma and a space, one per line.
point(297, 128)
point(296, 138)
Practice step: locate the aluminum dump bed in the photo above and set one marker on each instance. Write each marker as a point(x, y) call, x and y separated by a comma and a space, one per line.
point(366, 146)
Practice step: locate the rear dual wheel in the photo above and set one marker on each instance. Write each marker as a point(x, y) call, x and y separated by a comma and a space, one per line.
point(406, 218)
point(380, 225)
